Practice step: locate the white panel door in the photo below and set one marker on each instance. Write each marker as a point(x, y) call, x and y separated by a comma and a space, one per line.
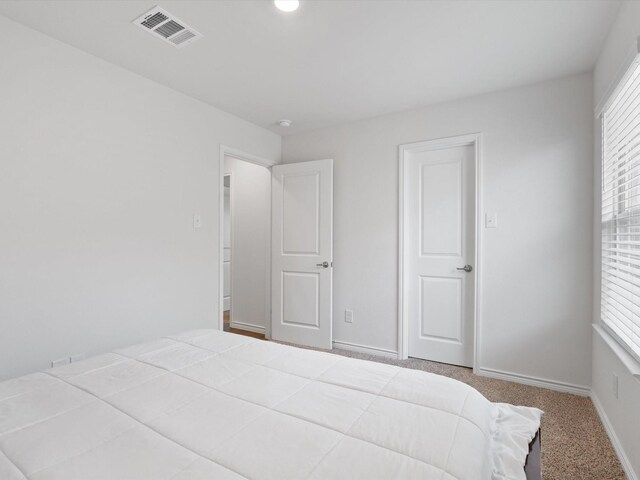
point(439, 244)
point(302, 253)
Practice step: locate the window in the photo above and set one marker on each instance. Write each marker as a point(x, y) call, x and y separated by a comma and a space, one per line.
point(621, 213)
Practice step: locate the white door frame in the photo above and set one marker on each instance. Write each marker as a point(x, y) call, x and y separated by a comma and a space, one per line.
point(475, 140)
point(263, 162)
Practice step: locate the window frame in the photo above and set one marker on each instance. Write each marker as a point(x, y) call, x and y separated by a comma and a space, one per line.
point(621, 204)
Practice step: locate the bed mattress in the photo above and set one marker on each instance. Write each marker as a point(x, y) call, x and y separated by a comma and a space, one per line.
point(206, 405)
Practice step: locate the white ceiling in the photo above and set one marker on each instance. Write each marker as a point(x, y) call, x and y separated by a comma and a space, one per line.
point(335, 61)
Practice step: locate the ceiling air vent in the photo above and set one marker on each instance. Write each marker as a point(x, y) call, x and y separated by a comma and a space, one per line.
point(163, 25)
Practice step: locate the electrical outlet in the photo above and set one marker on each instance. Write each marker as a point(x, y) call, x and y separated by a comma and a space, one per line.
point(59, 362)
point(614, 385)
point(348, 316)
point(197, 220)
point(77, 357)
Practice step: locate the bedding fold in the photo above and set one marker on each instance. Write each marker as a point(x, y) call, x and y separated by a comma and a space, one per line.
point(514, 429)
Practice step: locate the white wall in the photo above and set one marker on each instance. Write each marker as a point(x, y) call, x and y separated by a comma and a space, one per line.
point(620, 414)
point(250, 253)
point(537, 175)
point(101, 172)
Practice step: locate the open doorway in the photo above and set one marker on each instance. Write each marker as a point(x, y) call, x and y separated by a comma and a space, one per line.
point(245, 244)
point(298, 309)
point(226, 265)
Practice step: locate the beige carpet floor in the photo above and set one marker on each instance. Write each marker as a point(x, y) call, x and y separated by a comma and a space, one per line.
point(575, 445)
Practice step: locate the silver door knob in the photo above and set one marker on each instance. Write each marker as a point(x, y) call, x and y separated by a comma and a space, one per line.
point(323, 264)
point(466, 268)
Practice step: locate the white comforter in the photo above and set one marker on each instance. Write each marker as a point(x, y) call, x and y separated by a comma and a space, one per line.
point(208, 405)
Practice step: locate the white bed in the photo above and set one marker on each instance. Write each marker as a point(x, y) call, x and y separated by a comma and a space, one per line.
point(207, 405)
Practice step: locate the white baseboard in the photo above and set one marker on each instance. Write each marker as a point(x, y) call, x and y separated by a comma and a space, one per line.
point(247, 326)
point(354, 347)
point(534, 381)
point(617, 446)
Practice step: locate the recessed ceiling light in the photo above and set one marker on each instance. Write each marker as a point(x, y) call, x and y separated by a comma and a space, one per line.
point(287, 5)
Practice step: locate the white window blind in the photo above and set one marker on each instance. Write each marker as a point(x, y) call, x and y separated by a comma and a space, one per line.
point(621, 213)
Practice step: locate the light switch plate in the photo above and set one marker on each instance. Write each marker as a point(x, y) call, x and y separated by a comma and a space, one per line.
point(491, 220)
point(197, 220)
point(348, 316)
